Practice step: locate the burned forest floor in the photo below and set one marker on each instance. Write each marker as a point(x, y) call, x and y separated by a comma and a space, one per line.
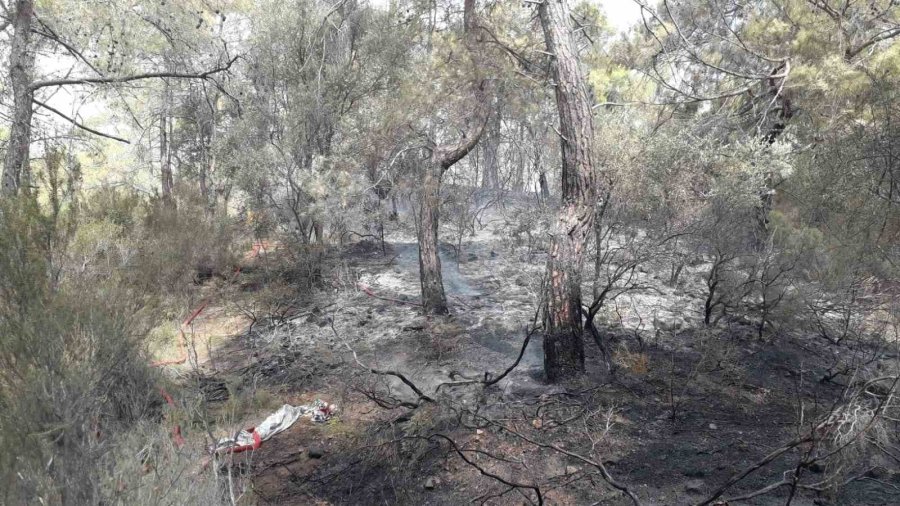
point(671, 412)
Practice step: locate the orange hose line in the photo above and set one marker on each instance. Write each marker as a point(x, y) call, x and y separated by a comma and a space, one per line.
point(177, 437)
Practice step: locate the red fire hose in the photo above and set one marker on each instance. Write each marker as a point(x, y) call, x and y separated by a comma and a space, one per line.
point(177, 438)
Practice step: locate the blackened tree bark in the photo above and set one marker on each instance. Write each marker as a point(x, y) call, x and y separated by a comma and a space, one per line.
point(434, 300)
point(167, 181)
point(441, 158)
point(563, 328)
point(490, 178)
point(21, 67)
point(207, 164)
point(785, 111)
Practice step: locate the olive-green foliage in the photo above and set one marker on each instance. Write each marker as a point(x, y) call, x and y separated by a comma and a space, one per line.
point(142, 466)
point(74, 377)
point(71, 368)
point(153, 248)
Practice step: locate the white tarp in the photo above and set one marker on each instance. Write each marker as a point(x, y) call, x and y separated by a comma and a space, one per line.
point(318, 411)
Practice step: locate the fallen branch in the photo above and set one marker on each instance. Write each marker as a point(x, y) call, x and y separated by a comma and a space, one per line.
point(586, 460)
point(488, 379)
point(514, 485)
point(810, 436)
point(383, 372)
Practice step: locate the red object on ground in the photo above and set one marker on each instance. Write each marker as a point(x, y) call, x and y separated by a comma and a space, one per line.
point(176, 430)
point(183, 343)
point(257, 442)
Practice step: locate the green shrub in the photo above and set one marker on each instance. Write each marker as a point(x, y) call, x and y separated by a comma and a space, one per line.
point(74, 380)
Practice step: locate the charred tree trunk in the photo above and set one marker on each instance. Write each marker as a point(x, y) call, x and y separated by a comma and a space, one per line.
point(204, 184)
point(490, 177)
point(518, 183)
point(167, 181)
point(785, 111)
point(434, 300)
point(543, 186)
point(207, 132)
point(21, 67)
point(563, 328)
point(537, 167)
point(319, 230)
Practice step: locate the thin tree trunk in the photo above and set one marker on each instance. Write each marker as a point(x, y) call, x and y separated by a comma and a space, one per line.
point(490, 178)
point(544, 186)
point(21, 67)
point(205, 161)
point(204, 184)
point(434, 301)
point(165, 160)
point(519, 175)
point(767, 194)
point(563, 329)
point(207, 132)
point(165, 167)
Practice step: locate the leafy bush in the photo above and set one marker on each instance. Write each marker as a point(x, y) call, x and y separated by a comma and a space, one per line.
point(74, 377)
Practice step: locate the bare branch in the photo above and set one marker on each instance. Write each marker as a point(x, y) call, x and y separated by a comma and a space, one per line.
point(382, 372)
point(459, 451)
point(77, 124)
point(136, 77)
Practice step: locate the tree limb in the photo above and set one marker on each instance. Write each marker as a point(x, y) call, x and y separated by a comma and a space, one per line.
point(136, 77)
point(77, 124)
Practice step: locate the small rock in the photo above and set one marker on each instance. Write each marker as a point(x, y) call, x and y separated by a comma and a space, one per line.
point(315, 452)
point(668, 324)
point(745, 321)
point(878, 473)
point(816, 467)
point(537, 423)
point(572, 470)
point(430, 484)
point(695, 473)
point(713, 426)
point(478, 432)
point(694, 486)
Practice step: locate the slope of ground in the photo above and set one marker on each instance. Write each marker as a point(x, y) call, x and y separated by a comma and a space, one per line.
point(681, 409)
